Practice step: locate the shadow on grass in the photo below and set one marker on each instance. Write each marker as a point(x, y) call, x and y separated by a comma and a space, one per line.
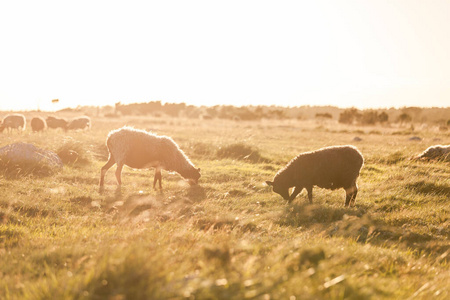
point(426, 188)
point(376, 232)
point(159, 207)
point(196, 193)
point(306, 215)
point(361, 227)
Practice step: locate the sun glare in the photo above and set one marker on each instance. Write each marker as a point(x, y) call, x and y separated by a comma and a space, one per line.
point(353, 53)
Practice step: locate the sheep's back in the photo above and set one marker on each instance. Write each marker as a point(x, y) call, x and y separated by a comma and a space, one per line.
point(38, 123)
point(134, 148)
point(80, 123)
point(15, 121)
point(331, 167)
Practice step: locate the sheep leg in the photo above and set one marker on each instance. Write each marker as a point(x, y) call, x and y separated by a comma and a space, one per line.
point(309, 190)
point(350, 195)
point(156, 178)
point(353, 196)
point(105, 168)
point(353, 199)
point(119, 173)
point(294, 194)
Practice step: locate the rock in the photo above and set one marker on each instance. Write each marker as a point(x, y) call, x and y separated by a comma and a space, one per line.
point(357, 139)
point(415, 138)
point(436, 152)
point(29, 158)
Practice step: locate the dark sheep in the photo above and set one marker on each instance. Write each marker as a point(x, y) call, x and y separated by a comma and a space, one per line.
point(80, 123)
point(13, 121)
point(330, 168)
point(38, 124)
point(140, 149)
point(55, 123)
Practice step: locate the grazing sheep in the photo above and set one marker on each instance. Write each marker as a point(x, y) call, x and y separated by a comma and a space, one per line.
point(329, 168)
point(14, 121)
point(140, 149)
point(54, 123)
point(435, 152)
point(80, 123)
point(38, 124)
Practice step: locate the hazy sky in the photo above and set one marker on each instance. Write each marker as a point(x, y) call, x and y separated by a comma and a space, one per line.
point(343, 53)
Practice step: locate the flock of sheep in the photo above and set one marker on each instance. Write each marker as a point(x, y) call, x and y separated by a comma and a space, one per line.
point(18, 122)
point(330, 168)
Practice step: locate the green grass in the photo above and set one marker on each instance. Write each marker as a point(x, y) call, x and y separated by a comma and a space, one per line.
point(230, 237)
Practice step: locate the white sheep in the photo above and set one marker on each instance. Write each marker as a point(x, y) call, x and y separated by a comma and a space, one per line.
point(140, 149)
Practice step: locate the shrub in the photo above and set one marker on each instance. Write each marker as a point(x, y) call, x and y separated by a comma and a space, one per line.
point(241, 151)
point(383, 117)
point(404, 118)
point(324, 115)
point(348, 116)
point(74, 153)
point(202, 149)
point(369, 117)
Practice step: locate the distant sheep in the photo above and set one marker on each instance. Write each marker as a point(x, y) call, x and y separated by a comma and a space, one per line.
point(435, 152)
point(140, 149)
point(14, 121)
point(55, 123)
point(38, 124)
point(330, 168)
point(80, 123)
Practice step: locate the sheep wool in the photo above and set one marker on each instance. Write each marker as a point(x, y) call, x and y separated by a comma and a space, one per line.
point(38, 124)
point(330, 168)
point(14, 121)
point(141, 149)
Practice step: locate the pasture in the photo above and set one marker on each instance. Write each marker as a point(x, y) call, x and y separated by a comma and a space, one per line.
point(230, 237)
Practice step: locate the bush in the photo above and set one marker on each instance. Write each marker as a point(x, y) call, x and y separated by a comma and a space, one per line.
point(404, 118)
point(369, 117)
point(383, 117)
point(324, 115)
point(241, 151)
point(202, 149)
point(74, 153)
point(348, 116)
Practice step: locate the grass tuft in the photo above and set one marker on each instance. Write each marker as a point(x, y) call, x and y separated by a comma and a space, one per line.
point(74, 153)
point(429, 188)
point(19, 170)
point(10, 236)
point(111, 279)
point(241, 151)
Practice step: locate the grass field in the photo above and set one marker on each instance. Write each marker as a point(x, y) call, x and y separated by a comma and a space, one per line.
point(230, 237)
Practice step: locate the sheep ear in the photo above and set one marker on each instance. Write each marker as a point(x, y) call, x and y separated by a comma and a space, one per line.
point(198, 169)
point(269, 183)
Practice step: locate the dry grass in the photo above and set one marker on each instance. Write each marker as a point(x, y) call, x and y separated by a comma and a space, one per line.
point(230, 237)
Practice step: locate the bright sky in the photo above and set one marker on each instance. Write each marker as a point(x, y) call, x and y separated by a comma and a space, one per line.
point(343, 53)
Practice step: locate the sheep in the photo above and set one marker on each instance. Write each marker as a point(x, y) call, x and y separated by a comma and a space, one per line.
point(38, 124)
point(330, 168)
point(140, 149)
point(80, 123)
point(54, 123)
point(13, 121)
point(435, 152)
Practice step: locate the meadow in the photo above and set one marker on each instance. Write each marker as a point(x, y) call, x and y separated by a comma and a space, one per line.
point(230, 237)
